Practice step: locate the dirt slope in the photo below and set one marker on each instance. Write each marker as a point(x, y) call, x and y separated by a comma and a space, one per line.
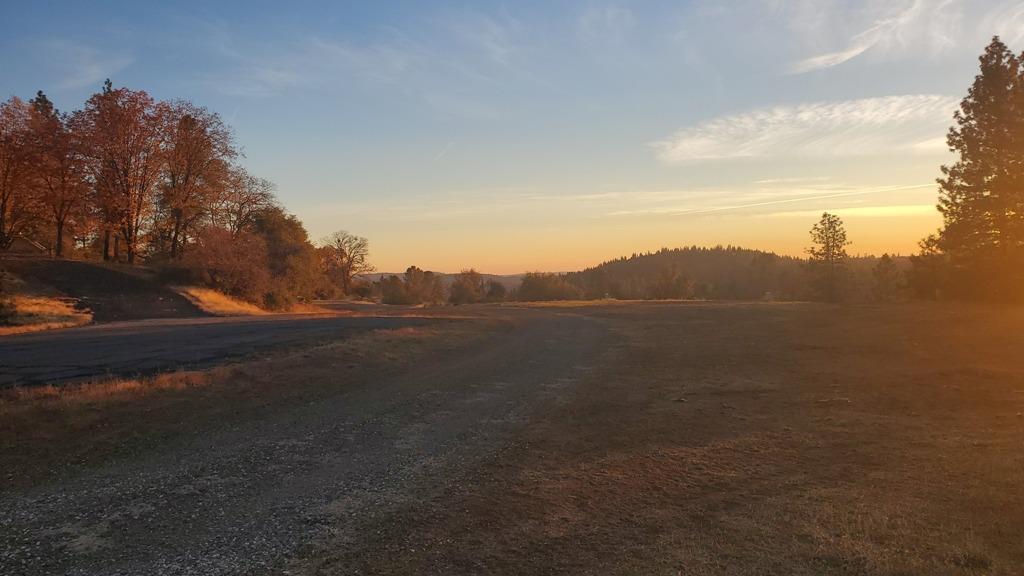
point(112, 295)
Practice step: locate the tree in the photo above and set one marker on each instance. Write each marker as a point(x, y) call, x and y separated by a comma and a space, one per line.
point(416, 286)
point(828, 257)
point(291, 259)
point(982, 194)
point(495, 292)
point(60, 169)
point(343, 257)
point(886, 280)
point(423, 287)
point(540, 286)
point(467, 288)
point(19, 207)
point(669, 284)
point(199, 150)
point(245, 196)
point(123, 132)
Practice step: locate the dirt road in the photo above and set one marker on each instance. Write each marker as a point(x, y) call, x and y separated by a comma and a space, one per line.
point(244, 500)
point(148, 346)
point(689, 439)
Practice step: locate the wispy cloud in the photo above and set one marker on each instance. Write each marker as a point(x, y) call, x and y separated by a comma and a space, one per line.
point(792, 180)
point(1006, 20)
point(894, 211)
point(606, 22)
point(444, 152)
point(315, 61)
point(929, 25)
point(868, 126)
point(497, 36)
point(695, 208)
point(79, 64)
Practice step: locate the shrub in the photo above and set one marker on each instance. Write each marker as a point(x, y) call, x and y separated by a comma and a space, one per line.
point(467, 288)
point(538, 286)
point(414, 287)
point(235, 265)
point(496, 291)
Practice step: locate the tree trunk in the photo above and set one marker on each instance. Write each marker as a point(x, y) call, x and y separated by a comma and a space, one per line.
point(106, 245)
point(175, 234)
point(59, 248)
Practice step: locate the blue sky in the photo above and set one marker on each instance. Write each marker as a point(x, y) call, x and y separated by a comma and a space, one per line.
point(537, 135)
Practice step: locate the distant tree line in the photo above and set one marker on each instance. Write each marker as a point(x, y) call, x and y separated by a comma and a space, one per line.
point(128, 177)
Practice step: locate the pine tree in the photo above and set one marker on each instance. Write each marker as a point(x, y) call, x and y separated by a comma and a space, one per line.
point(886, 280)
point(828, 257)
point(982, 193)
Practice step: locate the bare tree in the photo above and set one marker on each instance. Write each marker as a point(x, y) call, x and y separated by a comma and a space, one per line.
point(243, 198)
point(345, 256)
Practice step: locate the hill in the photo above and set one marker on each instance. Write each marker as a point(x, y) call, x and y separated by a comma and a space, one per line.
point(714, 273)
point(110, 294)
point(718, 273)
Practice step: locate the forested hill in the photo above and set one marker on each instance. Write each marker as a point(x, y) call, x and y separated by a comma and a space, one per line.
point(714, 273)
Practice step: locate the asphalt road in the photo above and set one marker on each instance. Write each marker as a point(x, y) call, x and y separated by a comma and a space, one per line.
point(148, 346)
point(245, 499)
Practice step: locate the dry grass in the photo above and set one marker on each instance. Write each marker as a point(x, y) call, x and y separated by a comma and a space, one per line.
point(47, 431)
point(758, 439)
point(217, 303)
point(38, 308)
point(605, 302)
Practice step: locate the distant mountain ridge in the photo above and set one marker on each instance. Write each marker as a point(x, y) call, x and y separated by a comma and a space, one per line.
point(720, 272)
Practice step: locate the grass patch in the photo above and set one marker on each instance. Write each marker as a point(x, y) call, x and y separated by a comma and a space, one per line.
point(217, 303)
point(32, 308)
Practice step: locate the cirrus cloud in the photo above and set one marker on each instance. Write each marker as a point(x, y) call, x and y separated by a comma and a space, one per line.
point(867, 126)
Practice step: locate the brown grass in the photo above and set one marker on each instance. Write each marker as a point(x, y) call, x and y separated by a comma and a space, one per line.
point(217, 303)
point(756, 439)
point(38, 308)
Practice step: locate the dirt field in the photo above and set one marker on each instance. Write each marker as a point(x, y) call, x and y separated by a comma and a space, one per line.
point(632, 439)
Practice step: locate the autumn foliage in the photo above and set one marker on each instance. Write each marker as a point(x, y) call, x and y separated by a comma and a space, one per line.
point(129, 178)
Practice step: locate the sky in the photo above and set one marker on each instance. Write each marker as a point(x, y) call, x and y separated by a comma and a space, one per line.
point(515, 136)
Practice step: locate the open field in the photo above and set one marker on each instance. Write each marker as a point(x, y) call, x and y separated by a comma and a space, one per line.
point(683, 438)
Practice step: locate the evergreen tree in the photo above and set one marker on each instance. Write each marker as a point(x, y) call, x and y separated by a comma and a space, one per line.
point(982, 193)
point(886, 280)
point(828, 257)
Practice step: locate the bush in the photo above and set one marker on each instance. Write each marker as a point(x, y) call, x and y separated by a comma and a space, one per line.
point(414, 287)
point(234, 265)
point(467, 288)
point(540, 286)
point(496, 291)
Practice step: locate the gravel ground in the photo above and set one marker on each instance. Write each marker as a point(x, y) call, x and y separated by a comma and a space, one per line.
point(246, 499)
